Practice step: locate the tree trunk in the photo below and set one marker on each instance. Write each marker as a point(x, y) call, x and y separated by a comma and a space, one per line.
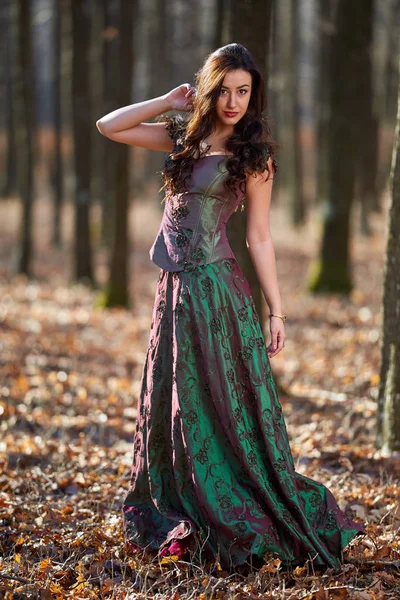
point(390, 78)
point(366, 124)
point(388, 433)
point(56, 167)
point(82, 120)
point(118, 292)
point(331, 273)
point(9, 179)
point(24, 120)
point(218, 37)
point(110, 62)
point(99, 142)
point(159, 73)
point(296, 193)
point(323, 108)
point(392, 74)
point(274, 83)
point(254, 35)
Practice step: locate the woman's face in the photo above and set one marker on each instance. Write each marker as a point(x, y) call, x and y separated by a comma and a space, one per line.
point(234, 97)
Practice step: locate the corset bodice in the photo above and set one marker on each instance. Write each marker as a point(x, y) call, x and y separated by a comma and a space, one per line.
point(195, 234)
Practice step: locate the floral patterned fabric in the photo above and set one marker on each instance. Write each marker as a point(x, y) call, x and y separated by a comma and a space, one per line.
point(211, 455)
point(211, 452)
point(193, 227)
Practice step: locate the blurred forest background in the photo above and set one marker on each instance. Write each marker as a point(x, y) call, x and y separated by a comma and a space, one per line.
point(78, 213)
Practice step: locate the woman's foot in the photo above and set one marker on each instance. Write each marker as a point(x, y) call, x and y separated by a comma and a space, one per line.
point(178, 547)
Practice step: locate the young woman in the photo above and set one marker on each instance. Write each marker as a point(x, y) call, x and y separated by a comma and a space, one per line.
point(212, 468)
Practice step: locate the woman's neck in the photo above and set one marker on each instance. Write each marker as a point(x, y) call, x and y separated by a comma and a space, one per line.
point(218, 139)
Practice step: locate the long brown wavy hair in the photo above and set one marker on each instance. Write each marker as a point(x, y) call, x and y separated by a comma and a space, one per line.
point(250, 143)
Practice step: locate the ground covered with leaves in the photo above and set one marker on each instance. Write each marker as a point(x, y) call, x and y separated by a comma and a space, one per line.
point(69, 382)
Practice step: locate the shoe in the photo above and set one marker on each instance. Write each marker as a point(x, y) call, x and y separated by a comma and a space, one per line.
point(179, 548)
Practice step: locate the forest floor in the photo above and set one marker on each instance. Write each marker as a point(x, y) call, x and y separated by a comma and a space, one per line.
point(69, 381)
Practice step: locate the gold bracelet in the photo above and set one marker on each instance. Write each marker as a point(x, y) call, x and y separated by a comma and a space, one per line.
point(283, 317)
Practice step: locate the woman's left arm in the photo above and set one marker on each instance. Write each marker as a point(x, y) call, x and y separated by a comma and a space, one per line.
point(261, 249)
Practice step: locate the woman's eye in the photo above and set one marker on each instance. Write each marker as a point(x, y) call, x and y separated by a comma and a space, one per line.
point(244, 92)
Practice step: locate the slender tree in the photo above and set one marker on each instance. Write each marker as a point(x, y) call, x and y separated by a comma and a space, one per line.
point(110, 67)
point(99, 146)
point(331, 272)
point(56, 167)
point(365, 120)
point(391, 75)
point(298, 209)
point(218, 37)
point(367, 156)
point(326, 28)
point(24, 120)
point(82, 120)
point(388, 434)
point(275, 83)
point(160, 69)
point(388, 84)
point(118, 293)
point(254, 34)
point(186, 38)
point(9, 177)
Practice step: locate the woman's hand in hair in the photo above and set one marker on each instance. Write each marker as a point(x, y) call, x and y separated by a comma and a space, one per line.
point(181, 97)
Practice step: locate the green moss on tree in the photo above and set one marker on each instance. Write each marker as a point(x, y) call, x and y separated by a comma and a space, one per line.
point(329, 276)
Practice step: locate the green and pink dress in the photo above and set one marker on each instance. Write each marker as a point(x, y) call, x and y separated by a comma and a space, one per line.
point(211, 454)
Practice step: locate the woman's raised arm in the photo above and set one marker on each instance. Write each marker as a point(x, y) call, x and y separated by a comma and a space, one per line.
point(126, 125)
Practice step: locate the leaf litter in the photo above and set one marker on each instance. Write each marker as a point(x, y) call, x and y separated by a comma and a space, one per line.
point(69, 382)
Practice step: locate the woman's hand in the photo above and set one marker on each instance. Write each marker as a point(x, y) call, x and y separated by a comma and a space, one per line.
point(180, 98)
point(277, 329)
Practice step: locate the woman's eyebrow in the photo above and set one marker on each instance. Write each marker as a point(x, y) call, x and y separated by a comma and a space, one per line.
point(239, 86)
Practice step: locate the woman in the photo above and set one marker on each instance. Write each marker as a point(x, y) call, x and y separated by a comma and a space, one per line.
point(212, 468)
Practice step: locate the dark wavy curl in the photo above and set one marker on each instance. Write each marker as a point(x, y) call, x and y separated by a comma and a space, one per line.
point(250, 144)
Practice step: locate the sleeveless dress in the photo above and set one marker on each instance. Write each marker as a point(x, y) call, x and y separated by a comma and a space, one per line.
point(211, 454)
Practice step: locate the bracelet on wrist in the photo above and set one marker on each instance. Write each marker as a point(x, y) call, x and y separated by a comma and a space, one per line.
point(282, 317)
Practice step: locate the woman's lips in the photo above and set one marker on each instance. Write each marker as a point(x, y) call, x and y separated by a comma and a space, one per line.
point(230, 114)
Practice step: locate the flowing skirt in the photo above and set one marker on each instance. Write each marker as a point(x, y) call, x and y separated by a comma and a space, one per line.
point(211, 454)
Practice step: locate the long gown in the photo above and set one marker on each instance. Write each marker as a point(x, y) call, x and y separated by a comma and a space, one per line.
point(211, 454)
